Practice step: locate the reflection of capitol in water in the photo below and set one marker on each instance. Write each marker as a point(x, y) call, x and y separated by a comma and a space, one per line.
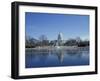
point(59, 54)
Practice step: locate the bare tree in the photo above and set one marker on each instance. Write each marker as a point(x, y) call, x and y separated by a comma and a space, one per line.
point(44, 41)
point(42, 37)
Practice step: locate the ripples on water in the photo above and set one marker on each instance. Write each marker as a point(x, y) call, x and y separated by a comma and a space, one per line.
point(53, 58)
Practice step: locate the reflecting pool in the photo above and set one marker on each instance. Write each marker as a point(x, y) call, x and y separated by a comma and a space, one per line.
point(55, 58)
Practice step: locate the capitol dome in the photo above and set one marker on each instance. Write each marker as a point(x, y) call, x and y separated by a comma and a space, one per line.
point(60, 38)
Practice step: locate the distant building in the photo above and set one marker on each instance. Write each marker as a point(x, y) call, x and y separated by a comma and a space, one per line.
point(59, 40)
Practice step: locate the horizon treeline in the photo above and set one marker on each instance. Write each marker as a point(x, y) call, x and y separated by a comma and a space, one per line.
point(31, 42)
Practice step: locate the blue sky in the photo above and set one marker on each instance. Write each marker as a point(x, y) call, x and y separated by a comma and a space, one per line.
point(71, 26)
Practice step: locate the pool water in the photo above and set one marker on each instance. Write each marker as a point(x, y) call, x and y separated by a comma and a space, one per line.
point(55, 58)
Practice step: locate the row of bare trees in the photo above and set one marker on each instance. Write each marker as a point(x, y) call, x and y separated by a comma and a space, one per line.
point(43, 41)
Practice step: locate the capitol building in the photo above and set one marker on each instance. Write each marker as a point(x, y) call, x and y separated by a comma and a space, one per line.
point(60, 40)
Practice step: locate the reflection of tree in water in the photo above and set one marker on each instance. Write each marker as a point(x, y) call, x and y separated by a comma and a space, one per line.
point(40, 55)
point(30, 54)
point(77, 53)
